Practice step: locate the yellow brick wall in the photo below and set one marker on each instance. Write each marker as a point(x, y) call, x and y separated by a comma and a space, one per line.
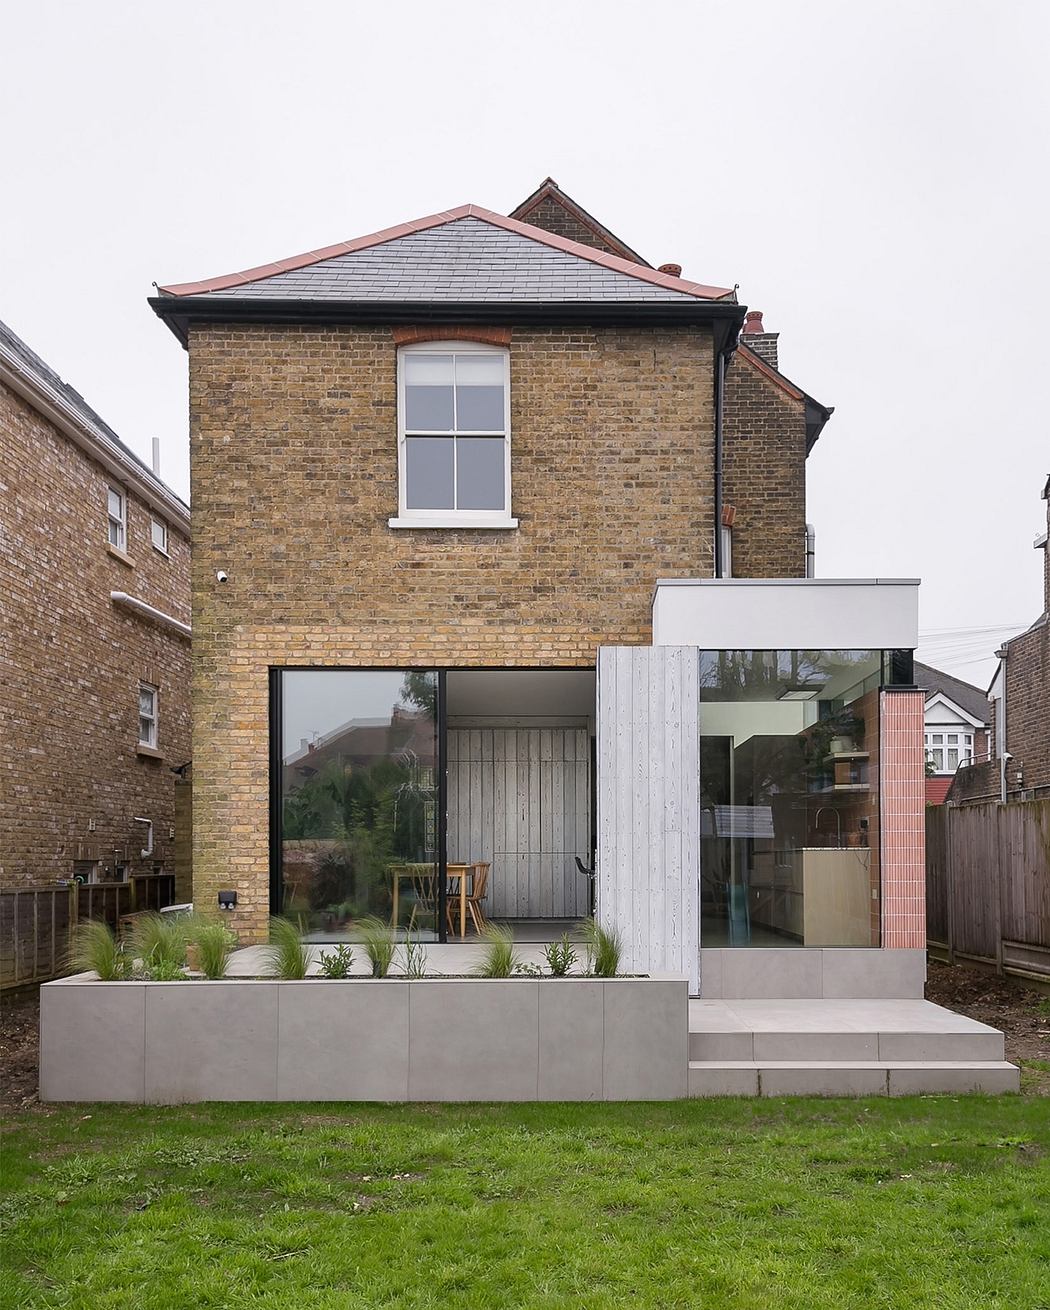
point(294, 464)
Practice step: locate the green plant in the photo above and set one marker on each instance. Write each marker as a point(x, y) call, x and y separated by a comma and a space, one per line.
point(337, 963)
point(159, 939)
point(214, 943)
point(500, 959)
point(560, 956)
point(286, 954)
point(163, 970)
point(378, 938)
point(96, 950)
point(415, 959)
point(604, 947)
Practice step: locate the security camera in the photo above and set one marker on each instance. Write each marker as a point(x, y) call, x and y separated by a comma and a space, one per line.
point(222, 576)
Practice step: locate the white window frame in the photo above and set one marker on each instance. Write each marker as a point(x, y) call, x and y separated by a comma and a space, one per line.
point(113, 521)
point(938, 746)
point(156, 522)
point(452, 518)
point(153, 734)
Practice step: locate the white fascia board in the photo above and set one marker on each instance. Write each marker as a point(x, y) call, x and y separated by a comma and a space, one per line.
point(939, 701)
point(787, 613)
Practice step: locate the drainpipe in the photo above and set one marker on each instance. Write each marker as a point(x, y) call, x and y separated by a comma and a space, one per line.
point(1004, 754)
point(147, 851)
point(811, 551)
point(720, 379)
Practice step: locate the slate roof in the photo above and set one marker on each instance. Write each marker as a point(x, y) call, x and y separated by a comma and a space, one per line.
point(968, 697)
point(463, 256)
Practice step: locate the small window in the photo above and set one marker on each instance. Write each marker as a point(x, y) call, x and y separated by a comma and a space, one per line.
point(727, 550)
point(147, 715)
point(158, 531)
point(454, 436)
point(118, 527)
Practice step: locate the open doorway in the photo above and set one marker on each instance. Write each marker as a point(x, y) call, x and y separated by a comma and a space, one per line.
point(520, 794)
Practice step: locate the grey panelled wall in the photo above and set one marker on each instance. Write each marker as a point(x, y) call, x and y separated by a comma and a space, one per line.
point(649, 805)
point(519, 798)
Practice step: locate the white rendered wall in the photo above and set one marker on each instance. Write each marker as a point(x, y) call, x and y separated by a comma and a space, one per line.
point(787, 613)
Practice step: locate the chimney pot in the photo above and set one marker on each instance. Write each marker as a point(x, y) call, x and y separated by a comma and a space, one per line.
point(672, 270)
point(753, 321)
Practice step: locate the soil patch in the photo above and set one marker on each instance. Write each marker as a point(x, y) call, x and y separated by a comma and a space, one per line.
point(19, 1049)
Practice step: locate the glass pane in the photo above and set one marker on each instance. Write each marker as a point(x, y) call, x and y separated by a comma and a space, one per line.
point(429, 473)
point(953, 738)
point(428, 409)
point(358, 797)
point(953, 759)
point(479, 393)
point(146, 730)
point(480, 469)
point(428, 393)
point(145, 701)
point(160, 534)
point(116, 534)
point(116, 504)
point(789, 785)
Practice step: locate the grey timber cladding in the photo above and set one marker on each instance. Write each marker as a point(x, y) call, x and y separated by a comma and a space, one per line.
point(649, 806)
point(462, 261)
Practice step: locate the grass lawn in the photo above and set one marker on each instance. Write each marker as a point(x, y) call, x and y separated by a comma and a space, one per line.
point(931, 1202)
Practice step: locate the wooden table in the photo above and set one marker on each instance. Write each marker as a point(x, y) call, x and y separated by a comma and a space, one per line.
point(413, 871)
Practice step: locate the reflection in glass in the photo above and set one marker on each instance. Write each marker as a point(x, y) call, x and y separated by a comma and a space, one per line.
point(429, 473)
point(789, 785)
point(358, 799)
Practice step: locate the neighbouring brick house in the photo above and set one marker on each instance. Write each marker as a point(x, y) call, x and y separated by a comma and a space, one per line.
point(1020, 697)
point(500, 559)
point(958, 719)
point(95, 598)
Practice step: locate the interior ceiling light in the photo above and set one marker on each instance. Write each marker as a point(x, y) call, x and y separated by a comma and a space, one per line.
point(802, 691)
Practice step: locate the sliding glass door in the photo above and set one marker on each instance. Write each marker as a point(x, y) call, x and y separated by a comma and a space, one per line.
point(356, 799)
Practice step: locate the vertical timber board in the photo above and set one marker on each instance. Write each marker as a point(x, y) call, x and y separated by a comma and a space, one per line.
point(649, 806)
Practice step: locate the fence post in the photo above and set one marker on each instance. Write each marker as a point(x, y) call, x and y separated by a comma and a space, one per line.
point(949, 882)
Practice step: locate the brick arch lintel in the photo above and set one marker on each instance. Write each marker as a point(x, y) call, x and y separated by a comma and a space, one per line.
point(486, 336)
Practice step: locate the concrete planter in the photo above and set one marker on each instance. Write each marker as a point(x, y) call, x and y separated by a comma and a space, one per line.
point(433, 1039)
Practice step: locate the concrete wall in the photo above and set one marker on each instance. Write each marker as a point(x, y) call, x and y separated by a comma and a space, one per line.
point(582, 1039)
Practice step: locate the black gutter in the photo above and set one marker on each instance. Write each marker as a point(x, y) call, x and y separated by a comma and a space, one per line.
point(725, 317)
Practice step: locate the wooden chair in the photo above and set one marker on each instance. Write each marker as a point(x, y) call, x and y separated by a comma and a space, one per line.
point(477, 893)
point(424, 885)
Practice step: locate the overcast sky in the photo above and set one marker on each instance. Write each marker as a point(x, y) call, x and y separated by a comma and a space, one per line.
point(875, 177)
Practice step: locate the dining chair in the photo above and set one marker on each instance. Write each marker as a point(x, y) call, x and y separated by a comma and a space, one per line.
point(424, 885)
point(478, 892)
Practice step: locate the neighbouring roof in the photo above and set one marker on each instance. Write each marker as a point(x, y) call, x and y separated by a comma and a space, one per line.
point(938, 787)
point(817, 414)
point(38, 383)
point(465, 255)
point(550, 194)
point(968, 697)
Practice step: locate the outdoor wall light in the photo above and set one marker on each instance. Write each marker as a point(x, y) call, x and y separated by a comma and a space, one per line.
point(227, 900)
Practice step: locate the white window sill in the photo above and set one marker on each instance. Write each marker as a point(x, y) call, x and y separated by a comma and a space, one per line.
point(452, 521)
point(150, 752)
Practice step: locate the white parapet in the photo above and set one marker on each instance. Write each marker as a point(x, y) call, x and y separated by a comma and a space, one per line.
point(787, 613)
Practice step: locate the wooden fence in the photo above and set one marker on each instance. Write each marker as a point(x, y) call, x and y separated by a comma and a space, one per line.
point(37, 923)
point(988, 884)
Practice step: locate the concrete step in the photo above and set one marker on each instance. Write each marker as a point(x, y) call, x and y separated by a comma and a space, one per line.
point(841, 1044)
point(849, 1077)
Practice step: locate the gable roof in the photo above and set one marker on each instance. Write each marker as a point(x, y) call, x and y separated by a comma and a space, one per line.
point(817, 414)
point(463, 255)
point(31, 377)
point(965, 695)
point(550, 195)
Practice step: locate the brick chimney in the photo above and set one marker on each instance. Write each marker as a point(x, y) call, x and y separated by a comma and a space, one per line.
point(756, 338)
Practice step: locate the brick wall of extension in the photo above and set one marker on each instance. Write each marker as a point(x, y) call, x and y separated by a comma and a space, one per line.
point(72, 663)
point(294, 457)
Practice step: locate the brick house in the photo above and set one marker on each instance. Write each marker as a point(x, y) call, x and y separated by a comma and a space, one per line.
point(1020, 696)
point(500, 573)
point(957, 726)
point(95, 594)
